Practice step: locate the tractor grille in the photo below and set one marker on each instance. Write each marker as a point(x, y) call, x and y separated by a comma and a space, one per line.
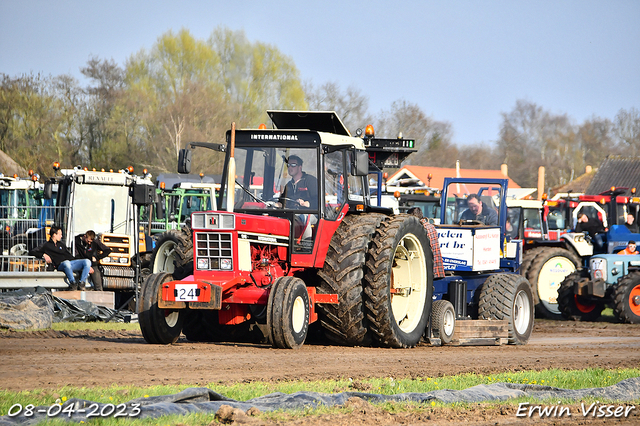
point(116, 283)
point(214, 251)
point(118, 271)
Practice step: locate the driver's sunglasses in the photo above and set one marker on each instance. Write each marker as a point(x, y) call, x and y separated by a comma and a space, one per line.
point(292, 165)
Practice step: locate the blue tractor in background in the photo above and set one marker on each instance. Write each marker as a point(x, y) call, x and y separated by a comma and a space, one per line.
point(609, 280)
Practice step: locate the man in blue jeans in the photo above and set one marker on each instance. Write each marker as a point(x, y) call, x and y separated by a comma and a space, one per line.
point(56, 252)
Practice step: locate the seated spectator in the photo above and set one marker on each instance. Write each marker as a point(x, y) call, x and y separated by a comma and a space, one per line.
point(56, 252)
point(630, 249)
point(88, 247)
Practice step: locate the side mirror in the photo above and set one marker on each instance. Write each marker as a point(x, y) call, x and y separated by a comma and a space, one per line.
point(361, 166)
point(184, 161)
point(48, 190)
point(189, 203)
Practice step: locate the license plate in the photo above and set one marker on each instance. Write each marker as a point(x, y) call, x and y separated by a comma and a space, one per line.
point(186, 292)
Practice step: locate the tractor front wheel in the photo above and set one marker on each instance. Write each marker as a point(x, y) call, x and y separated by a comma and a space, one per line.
point(288, 312)
point(508, 297)
point(158, 326)
point(626, 299)
point(573, 306)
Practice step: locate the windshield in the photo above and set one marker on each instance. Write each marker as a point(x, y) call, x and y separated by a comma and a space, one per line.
point(466, 206)
point(275, 178)
point(557, 218)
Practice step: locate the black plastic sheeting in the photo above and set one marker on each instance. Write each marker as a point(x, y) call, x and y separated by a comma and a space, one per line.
point(204, 400)
point(38, 308)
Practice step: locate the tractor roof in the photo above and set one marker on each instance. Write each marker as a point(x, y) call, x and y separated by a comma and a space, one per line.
point(320, 121)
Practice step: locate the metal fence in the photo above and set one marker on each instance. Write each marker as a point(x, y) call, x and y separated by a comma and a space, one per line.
point(23, 229)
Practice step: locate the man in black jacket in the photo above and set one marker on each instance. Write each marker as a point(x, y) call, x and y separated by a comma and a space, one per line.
point(588, 225)
point(56, 252)
point(88, 247)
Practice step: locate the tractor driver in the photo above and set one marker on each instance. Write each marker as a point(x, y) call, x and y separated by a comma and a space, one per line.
point(479, 211)
point(302, 190)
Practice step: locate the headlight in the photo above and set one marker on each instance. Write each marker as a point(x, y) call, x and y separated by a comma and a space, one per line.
point(123, 260)
point(203, 263)
point(598, 268)
point(225, 264)
point(107, 259)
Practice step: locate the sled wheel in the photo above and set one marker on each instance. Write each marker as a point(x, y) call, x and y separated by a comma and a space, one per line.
point(508, 297)
point(158, 326)
point(288, 316)
point(443, 320)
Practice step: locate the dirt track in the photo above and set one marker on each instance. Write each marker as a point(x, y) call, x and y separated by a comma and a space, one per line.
point(53, 359)
point(100, 358)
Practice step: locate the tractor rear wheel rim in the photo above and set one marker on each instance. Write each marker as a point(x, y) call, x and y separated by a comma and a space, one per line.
point(409, 280)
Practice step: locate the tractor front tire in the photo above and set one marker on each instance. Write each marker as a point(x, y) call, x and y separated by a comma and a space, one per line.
point(443, 320)
point(574, 307)
point(158, 326)
point(626, 299)
point(288, 313)
point(173, 254)
point(508, 297)
point(546, 271)
point(399, 282)
point(343, 274)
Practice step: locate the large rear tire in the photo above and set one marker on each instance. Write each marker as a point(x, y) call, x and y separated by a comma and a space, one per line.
point(574, 307)
point(399, 282)
point(342, 274)
point(508, 297)
point(173, 254)
point(626, 299)
point(158, 326)
point(547, 270)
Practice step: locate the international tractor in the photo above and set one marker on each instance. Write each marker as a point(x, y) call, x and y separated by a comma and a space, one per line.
point(295, 243)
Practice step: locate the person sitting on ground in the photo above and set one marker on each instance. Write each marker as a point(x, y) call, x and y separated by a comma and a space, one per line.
point(56, 252)
point(588, 225)
point(629, 249)
point(432, 234)
point(631, 224)
point(479, 211)
point(88, 247)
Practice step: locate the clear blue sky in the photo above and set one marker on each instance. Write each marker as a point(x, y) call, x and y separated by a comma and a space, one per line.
point(465, 62)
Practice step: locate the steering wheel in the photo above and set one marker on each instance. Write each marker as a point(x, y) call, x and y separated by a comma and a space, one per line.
point(470, 222)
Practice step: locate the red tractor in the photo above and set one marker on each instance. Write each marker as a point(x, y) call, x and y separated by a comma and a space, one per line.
point(295, 239)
